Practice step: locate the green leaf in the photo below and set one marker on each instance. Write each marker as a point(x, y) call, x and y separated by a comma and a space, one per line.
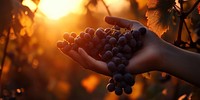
point(159, 15)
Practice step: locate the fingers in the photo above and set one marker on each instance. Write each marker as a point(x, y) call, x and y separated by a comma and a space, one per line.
point(95, 65)
point(123, 22)
point(76, 57)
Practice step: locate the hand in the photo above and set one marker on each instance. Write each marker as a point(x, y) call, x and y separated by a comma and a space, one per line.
point(144, 60)
point(149, 56)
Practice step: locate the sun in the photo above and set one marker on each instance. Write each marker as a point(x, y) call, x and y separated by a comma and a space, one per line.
point(55, 9)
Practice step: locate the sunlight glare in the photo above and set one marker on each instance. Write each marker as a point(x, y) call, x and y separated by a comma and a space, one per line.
point(55, 9)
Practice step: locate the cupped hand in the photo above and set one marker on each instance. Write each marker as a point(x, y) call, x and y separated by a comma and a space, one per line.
point(146, 59)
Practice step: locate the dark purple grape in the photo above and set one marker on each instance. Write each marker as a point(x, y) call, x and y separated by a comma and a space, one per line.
point(115, 50)
point(73, 34)
point(142, 30)
point(118, 91)
point(82, 35)
point(129, 79)
point(95, 40)
point(100, 33)
point(127, 49)
point(111, 80)
point(121, 67)
point(136, 34)
point(120, 55)
point(128, 35)
point(66, 36)
point(118, 77)
point(112, 41)
point(122, 40)
point(108, 38)
point(116, 60)
point(103, 41)
point(107, 47)
point(71, 39)
point(111, 66)
point(79, 41)
point(87, 36)
point(87, 30)
point(128, 89)
point(125, 62)
point(116, 34)
point(91, 31)
point(110, 87)
point(107, 55)
point(60, 44)
point(132, 43)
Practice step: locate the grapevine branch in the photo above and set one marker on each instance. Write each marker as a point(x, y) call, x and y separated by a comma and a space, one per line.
point(183, 16)
point(107, 9)
point(4, 57)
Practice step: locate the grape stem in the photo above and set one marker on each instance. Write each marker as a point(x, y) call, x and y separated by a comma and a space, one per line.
point(107, 9)
point(3, 58)
point(183, 16)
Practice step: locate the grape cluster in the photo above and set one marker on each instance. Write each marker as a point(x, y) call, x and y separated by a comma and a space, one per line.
point(115, 46)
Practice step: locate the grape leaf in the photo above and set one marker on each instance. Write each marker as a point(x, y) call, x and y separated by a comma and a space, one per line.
point(159, 15)
point(22, 19)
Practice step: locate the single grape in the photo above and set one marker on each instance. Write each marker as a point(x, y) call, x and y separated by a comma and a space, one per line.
point(107, 55)
point(107, 47)
point(108, 38)
point(128, 89)
point(87, 36)
point(111, 80)
point(91, 31)
point(136, 34)
point(142, 30)
point(95, 40)
point(132, 43)
point(116, 60)
point(66, 36)
point(87, 29)
point(73, 34)
point(112, 40)
point(110, 87)
point(127, 49)
point(116, 34)
point(118, 91)
point(115, 50)
point(128, 35)
point(120, 55)
point(118, 77)
point(122, 40)
point(71, 39)
point(129, 79)
point(100, 33)
point(121, 67)
point(111, 66)
point(60, 44)
point(82, 35)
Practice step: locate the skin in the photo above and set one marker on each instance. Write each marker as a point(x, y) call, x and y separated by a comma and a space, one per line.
point(156, 54)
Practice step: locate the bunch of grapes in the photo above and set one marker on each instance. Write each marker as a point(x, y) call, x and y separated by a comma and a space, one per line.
point(115, 46)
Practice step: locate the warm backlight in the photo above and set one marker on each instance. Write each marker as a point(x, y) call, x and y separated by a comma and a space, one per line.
point(55, 9)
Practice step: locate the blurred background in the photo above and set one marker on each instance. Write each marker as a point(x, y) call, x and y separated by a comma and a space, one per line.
point(34, 68)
